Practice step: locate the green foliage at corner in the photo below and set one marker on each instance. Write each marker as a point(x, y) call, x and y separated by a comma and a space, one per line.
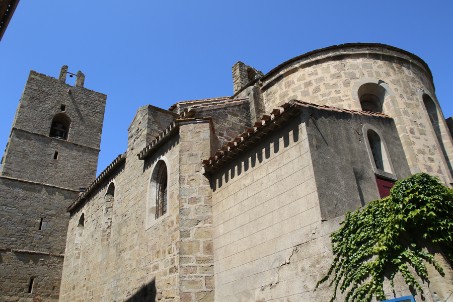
point(390, 236)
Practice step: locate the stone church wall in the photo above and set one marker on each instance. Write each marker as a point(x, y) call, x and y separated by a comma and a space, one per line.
point(264, 206)
point(141, 252)
point(333, 76)
point(275, 207)
point(169, 258)
point(42, 150)
point(345, 176)
point(31, 245)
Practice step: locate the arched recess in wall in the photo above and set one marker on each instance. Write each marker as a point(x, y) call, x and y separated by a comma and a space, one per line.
point(436, 120)
point(380, 160)
point(157, 204)
point(80, 227)
point(59, 127)
point(371, 97)
point(161, 181)
point(109, 199)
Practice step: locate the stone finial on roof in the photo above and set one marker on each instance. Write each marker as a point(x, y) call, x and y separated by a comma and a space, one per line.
point(80, 79)
point(63, 72)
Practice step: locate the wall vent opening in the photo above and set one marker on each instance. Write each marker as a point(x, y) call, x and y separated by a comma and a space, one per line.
point(40, 224)
point(55, 155)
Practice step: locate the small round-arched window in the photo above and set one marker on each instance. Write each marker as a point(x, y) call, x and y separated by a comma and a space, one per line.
point(80, 227)
point(378, 152)
point(60, 126)
point(371, 96)
point(160, 180)
point(81, 221)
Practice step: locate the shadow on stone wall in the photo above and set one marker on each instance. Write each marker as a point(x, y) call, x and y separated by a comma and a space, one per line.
point(264, 149)
point(146, 293)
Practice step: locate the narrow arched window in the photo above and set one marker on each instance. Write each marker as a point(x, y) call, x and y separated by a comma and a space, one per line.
point(431, 109)
point(371, 97)
point(80, 227)
point(81, 221)
point(433, 114)
point(382, 166)
point(376, 149)
point(378, 152)
point(109, 199)
point(60, 126)
point(110, 195)
point(161, 189)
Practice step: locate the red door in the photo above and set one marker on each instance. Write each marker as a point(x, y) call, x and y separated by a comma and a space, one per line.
point(384, 186)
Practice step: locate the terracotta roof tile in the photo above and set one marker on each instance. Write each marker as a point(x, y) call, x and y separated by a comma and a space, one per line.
point(164, 135)
point(201, 101)
point(277, 116)
point(190, 111)
point(107, 171)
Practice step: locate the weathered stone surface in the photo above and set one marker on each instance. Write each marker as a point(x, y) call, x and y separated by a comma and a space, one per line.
point(250, 224)
point(40, 177)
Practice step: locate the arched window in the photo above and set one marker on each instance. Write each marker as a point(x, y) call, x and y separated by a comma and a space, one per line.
point(109, 198)
point(371, 96)
point(60, 126)
point(80, 227)
point(81, 221)
point(378, 152)
point(431, 109)
point(110, 195)
point(160, 181)
point(381, 164)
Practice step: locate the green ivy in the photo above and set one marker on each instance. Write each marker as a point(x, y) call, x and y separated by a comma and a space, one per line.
point(390, 236)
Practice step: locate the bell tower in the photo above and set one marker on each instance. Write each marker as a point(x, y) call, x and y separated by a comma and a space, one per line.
point(56, 133)
point(51, 153)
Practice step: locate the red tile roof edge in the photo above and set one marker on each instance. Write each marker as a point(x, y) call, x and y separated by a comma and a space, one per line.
point(220, 98)
point(284, 109)
point(190, 111)
point(107, 171)
point(165, 134)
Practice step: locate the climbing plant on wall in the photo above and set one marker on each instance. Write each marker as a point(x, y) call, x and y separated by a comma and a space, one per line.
point(392, 235)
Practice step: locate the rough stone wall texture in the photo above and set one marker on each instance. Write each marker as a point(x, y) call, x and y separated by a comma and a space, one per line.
point(23, 205)
point(333, 78)
point(18, 267)
point(148, 122)
point(346, 177)
point(141, 255)
point(38, 163)
point(37, 184)
point(243, 75)
point(196, 258)
point(170, 256)
point(264, 205)
point(33, 219)
point(271, 242)
point(229, 120)
point(255, 97)
point(42, 99)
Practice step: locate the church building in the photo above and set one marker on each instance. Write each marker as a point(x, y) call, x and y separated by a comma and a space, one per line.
point(222, 199)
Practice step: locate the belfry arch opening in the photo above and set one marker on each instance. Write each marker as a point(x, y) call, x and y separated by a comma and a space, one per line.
point(60, 126)
point(371, 97)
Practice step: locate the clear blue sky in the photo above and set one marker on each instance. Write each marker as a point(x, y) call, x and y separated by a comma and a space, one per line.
point(161, 52)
